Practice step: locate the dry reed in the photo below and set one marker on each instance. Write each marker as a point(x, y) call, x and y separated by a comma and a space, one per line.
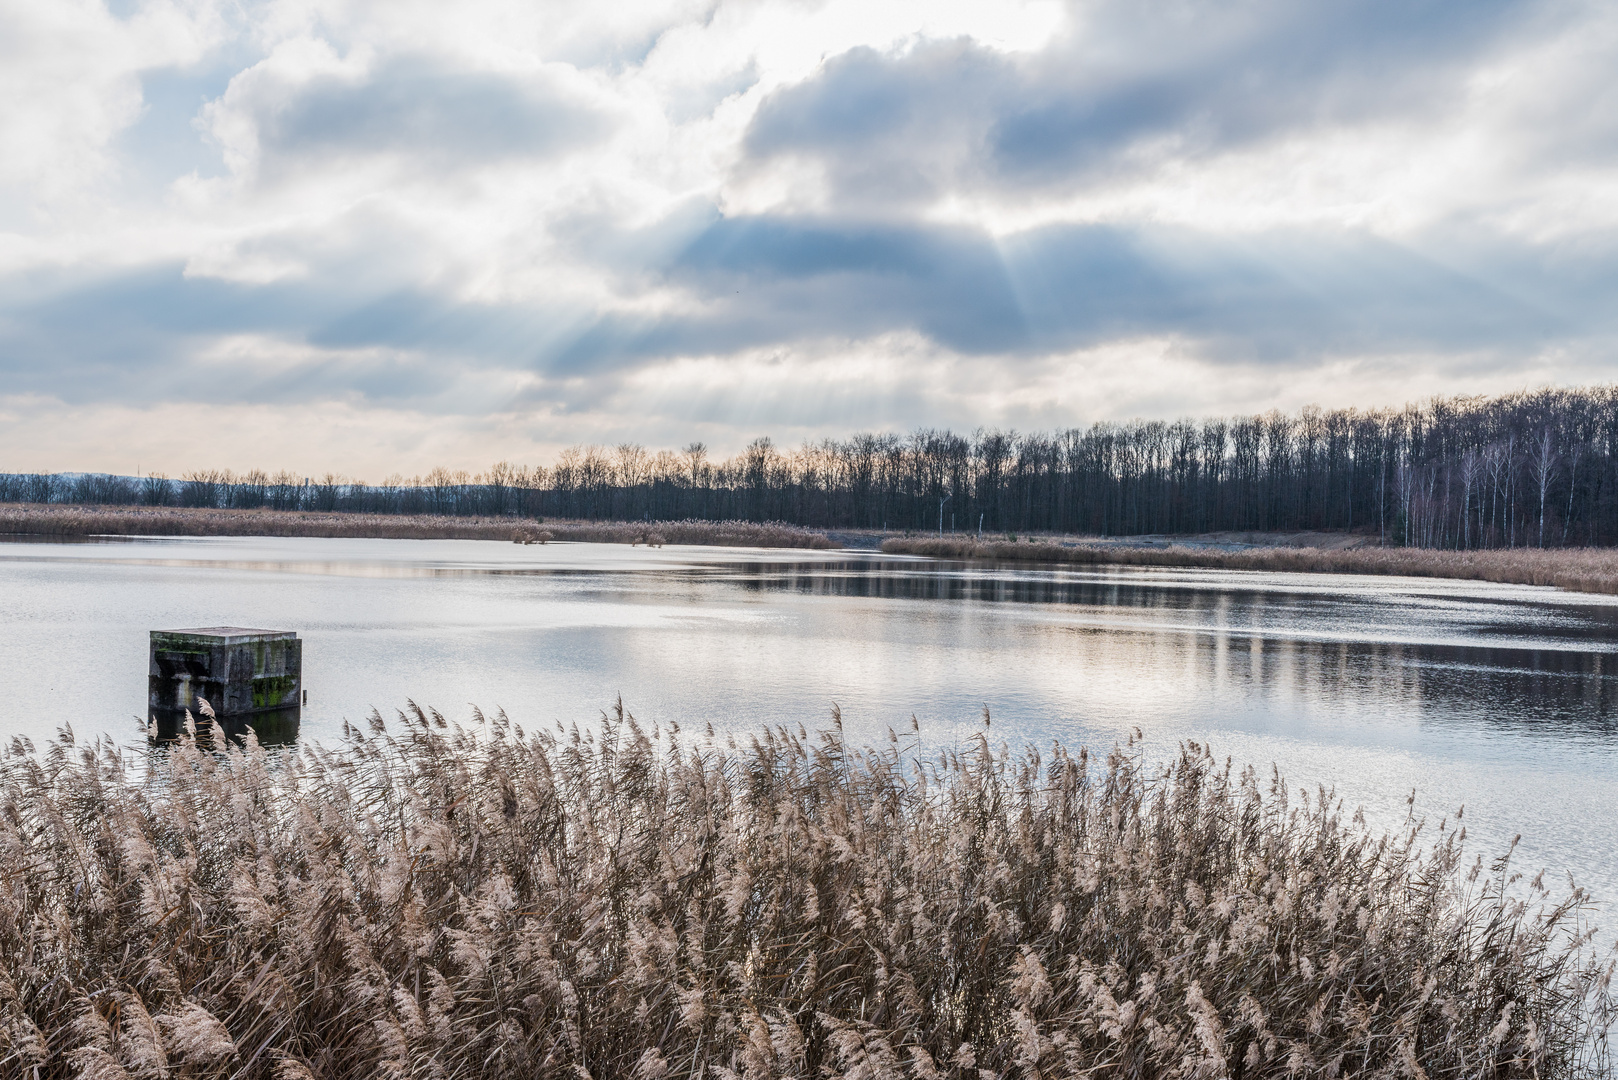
point(1593, 570)
point(50, 520)
point(768, 534)
point(432, 902)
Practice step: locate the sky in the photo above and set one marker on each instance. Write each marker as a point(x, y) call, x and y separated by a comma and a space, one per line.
point(375, 236)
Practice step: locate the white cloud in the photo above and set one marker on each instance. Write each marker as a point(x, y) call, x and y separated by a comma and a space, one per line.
point(70, 82)
point(719, 219)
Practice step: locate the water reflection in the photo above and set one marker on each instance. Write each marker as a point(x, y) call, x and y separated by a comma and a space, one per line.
point(1328, 605)
point(271, 727)
point(1522, 663)
point(1501, 697)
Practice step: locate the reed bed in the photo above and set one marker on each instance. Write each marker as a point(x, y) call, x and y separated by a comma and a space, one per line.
point(1593, 570)
point(424, 901)
point(51, 520)
point(768, 534)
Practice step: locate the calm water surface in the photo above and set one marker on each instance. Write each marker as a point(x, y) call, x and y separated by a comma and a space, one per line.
point(1499, 697)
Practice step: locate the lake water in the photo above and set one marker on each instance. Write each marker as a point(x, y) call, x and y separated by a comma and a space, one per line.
point(1499, 697)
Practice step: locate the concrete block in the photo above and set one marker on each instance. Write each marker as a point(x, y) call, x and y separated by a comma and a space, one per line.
point(251, 678)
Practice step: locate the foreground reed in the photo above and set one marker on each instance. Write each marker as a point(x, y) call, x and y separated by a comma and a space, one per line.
point(1592, 570)
point(432, 902)
point(50, 520)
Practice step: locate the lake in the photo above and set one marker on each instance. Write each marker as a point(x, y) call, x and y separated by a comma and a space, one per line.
point(1499, 697)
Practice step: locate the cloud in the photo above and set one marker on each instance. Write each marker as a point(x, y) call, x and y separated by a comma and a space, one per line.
point(158, 336)
point(306, 107)
point(1290, 300)
point(1130, 88)
point(567, 223)
point(1283, 297)
point(408, 107)
point(70, 83)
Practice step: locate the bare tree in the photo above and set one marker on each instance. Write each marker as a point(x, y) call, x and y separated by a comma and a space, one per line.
point(1572, 488)
point(1459, 472)
point(1471, 466)
point(1544, 466)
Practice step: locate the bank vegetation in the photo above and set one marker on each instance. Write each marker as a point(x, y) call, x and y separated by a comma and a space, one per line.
point(1533, 469)
point(78, 521)
point(1592, 570)
point(423, 901)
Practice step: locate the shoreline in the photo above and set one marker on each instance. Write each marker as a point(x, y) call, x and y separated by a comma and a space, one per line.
point(1590, 570)
point(83, 521)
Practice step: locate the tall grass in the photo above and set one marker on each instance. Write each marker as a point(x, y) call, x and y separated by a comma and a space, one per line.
point(431, 902)
point(767, 534)
point(1592, 570)
point(35, 520)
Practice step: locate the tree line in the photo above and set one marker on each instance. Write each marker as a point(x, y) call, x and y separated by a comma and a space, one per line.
point(1533, 469)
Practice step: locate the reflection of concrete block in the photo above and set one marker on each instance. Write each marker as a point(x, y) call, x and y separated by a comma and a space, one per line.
point(248, 677)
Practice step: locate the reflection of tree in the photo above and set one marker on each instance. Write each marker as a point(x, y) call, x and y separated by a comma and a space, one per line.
point(1316, 655)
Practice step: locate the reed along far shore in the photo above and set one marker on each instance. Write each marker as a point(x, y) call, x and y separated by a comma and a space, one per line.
point(76, 521)
point(1591, 570)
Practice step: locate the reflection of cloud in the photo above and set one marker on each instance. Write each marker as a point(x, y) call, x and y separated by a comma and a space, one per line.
point(716, 220)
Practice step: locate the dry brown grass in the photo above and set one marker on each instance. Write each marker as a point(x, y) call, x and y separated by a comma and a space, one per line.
point(428, 902)
point(49, 520)
point(768, 534)
point(1582, 569)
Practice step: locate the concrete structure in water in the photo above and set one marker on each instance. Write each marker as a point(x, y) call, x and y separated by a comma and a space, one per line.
point(250, 678)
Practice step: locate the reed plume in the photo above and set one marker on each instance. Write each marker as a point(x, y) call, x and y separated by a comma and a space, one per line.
point(427, 901)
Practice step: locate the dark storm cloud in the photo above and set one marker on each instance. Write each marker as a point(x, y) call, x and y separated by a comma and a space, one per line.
point(410, 106)
point(1132, 82)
